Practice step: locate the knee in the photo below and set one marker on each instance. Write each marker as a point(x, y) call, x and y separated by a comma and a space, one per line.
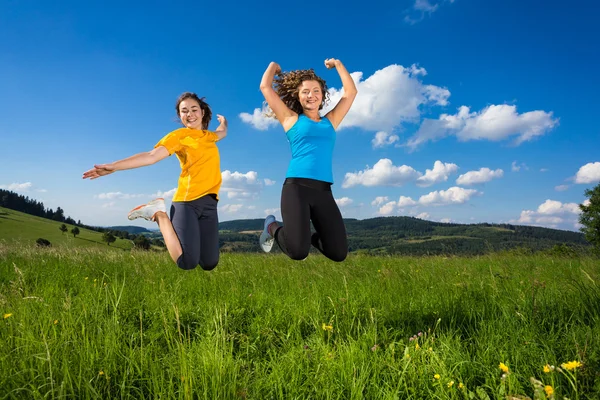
point(339, 256)
point(298, 254)
point(209, 266)
point(186, 263)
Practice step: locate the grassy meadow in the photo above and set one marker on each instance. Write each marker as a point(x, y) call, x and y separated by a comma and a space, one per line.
point(90, 323)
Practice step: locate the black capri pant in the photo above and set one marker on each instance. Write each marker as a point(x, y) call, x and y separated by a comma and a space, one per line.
point(302, 201)
point(196, 224)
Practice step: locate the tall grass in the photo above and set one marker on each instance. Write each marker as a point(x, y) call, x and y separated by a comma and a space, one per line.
point(85, 323)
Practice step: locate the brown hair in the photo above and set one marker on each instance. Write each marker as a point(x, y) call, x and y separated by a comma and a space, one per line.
point(203, 105)
point(286, 85)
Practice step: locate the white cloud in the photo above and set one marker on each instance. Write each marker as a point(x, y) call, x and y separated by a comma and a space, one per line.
point(258, 119)
point(404, 201)
point(586, 202)
point(383, 139)
point(379, 200)
point(387, 208)
point(389, 97)
point(17, 187)
point(383, 173)
point(495, 123)
point(421, 8)
point(544, 170)
point(269, 182)
point(231, 208)
point(272, 211)
point(446, 220)
point(344, 201)
point(165, 195)
point(516, 167)
point(454, 195)
point(561, 188)
point(550, 213)
point(41, 190)
point(118, 196)
point(481, 176)
point(423, 215)
point(240, 185)
point(439, 173)
point(589, 173)
point(108, 205)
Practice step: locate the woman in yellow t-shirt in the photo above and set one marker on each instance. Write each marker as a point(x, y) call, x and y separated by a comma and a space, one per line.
point(192, 233)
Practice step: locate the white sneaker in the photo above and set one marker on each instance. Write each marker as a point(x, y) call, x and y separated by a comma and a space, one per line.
point(266, 240)
point(147, 211)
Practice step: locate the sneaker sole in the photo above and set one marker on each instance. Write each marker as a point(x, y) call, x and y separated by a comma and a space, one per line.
point(132, 214)
point(265, 242)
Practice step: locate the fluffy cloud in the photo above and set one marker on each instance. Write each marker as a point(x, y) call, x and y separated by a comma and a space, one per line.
point(379, 200)
point(238, 185)
point(561, 188)
point(550, 213)
point(454, 195)
point(589, 173)
point(481, 176)
point(258, 119)
point(231, 208)
point(423, 215)
point(344, 201)
point(269, 182)
point(439, 173)
point(165, 195)
point(383, 139)
point(383, 173)
point(17, 187)
point(404, 201)
point(495, 123)
point(421, 8)
point(515, 167)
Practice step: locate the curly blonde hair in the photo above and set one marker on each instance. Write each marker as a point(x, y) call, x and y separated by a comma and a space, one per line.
point(287, 84)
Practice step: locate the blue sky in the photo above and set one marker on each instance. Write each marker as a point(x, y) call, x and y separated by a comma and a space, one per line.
point(468, 111)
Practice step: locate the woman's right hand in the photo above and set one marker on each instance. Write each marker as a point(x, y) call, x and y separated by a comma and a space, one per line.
point(276, 67)
point(99, 170)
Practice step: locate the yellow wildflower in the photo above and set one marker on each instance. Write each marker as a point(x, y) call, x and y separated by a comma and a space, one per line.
point(327, 327)
point(86, 278)
point(7, 315)
point(407, 355)
point(461, 386)
point(503, 367)
point(436, 376)
point(55, 321)
point(549, 390)
point(417, 347)
point(571, 365)
point(546, 368)
point(101, 373)
point(450, 384)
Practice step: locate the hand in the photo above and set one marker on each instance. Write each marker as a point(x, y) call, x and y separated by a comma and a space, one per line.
point(330, 63)
point(276, 67)
point(222, 120)
point(99, 170)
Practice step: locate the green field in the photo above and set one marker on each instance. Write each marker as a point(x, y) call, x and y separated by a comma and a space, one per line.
point(18, 227)
point(87, 323)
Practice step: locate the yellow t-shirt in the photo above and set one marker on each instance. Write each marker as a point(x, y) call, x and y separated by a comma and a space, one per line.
point(199, 159)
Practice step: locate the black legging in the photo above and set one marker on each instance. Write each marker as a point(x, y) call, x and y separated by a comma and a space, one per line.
point(304, 200)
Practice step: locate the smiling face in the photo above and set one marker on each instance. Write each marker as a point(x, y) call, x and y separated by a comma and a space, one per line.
point(191, 114)
point(310, 95)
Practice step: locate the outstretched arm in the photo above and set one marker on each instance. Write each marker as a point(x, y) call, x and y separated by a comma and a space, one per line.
point(285, 116)
point(222, 128)
point(135, 161)
point(338, 113)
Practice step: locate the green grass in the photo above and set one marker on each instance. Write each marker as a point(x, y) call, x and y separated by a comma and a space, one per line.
point(86, 323)
point(20, 227)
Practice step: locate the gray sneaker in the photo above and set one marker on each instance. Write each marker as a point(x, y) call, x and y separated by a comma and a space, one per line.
point(266, 240)
point(147, 211)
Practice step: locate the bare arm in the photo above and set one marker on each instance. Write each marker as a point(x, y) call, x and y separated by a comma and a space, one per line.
point(338, 113)
point(285, 116)
point(222, 128)
point(135, 161)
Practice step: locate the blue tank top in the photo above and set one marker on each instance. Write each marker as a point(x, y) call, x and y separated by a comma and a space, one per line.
point(312, 149)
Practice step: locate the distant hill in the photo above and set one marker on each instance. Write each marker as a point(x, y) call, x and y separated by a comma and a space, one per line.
point(408, 235)
point(136, 230)
point(26, 228)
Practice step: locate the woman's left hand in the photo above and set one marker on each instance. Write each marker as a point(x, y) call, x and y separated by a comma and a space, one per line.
point(222, 120)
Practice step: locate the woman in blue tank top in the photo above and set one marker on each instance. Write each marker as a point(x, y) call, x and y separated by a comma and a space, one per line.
point(296, 97)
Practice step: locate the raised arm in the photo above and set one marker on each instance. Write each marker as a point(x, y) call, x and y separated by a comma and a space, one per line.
point(338, 113)
point(222, 128)
point(285, 116)
point(135, 161)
